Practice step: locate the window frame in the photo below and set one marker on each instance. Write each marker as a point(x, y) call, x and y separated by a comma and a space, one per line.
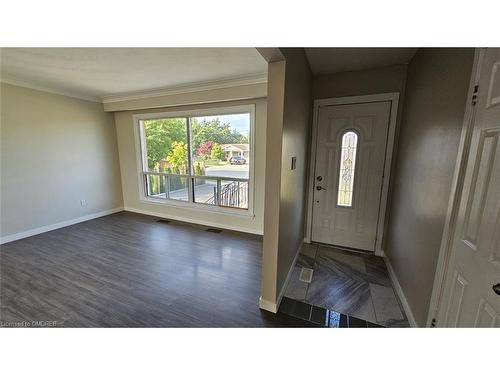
point(356, 155)
point(141, 158)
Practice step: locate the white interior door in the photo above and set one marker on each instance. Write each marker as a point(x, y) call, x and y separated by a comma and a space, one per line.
point(350, 153)
point(470, 299)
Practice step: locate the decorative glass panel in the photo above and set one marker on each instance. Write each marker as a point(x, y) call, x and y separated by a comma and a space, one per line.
point(347, 168)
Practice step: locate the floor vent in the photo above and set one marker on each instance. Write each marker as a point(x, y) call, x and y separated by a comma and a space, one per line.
point(213, 230)
point(306, 275)
point(163, 221)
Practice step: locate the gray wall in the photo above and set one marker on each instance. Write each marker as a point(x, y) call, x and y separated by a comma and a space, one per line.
point(289, 123)
point(55, 151)
point(362, 82)
point(431, 123)
point(295, 141)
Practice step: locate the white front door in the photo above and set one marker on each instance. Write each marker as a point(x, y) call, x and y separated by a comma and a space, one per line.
point(472, 286)
point(350, 153)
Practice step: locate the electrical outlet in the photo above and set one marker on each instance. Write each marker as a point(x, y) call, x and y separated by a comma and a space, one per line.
point(83, 202)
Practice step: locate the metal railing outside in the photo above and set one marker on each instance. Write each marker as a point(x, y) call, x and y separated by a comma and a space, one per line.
point(233, 194)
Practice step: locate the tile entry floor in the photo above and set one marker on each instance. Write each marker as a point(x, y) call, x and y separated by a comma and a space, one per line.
point(347, 282)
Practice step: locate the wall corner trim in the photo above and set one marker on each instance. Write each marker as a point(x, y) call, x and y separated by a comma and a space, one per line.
point(289, 274)
point(61, 224)
point(274, 306)
point(268, 305)
point(400, 293)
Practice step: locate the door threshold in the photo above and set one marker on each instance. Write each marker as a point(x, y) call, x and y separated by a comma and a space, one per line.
point(343, 248)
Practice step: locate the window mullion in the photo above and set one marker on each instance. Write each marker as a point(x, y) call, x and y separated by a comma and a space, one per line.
point(190, 162)
point(167, 187)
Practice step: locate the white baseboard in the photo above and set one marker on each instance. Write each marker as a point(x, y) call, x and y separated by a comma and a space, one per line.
point(289, 275)
point(401, 295)
point(272, 306)
point(194, 221)
point(62, 224)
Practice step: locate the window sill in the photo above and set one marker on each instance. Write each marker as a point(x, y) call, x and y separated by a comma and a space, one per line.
point(199, 207)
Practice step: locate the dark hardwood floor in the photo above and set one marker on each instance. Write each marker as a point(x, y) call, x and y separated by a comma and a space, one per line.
point(128, 270)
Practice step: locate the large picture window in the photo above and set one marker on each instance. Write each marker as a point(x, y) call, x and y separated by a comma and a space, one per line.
point(201, 157)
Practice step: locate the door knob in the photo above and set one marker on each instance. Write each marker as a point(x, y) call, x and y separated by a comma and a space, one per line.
point(496, 288)
point(320, 188)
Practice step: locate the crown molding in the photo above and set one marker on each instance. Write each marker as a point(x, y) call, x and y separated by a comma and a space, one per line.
point(33, 86)
point(184, 89)
point(146, 94)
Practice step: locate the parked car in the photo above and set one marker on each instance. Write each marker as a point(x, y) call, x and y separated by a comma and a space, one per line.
point(237, 160)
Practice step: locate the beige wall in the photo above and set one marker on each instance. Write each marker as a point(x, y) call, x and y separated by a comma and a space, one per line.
point(362, 82)
point(430, 129)
point(289, 123)
point(275, 101)
point(55, 151)
point(130, 180)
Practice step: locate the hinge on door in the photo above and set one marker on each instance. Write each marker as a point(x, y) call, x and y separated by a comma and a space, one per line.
point(474, 95)
point(433, 323)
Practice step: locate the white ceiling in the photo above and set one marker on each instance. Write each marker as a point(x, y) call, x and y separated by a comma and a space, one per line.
point(96, 72)
point(334, 60)
point(93, 73)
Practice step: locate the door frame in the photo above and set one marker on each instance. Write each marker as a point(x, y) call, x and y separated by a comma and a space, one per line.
point(446, 247)
point(392, 97)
